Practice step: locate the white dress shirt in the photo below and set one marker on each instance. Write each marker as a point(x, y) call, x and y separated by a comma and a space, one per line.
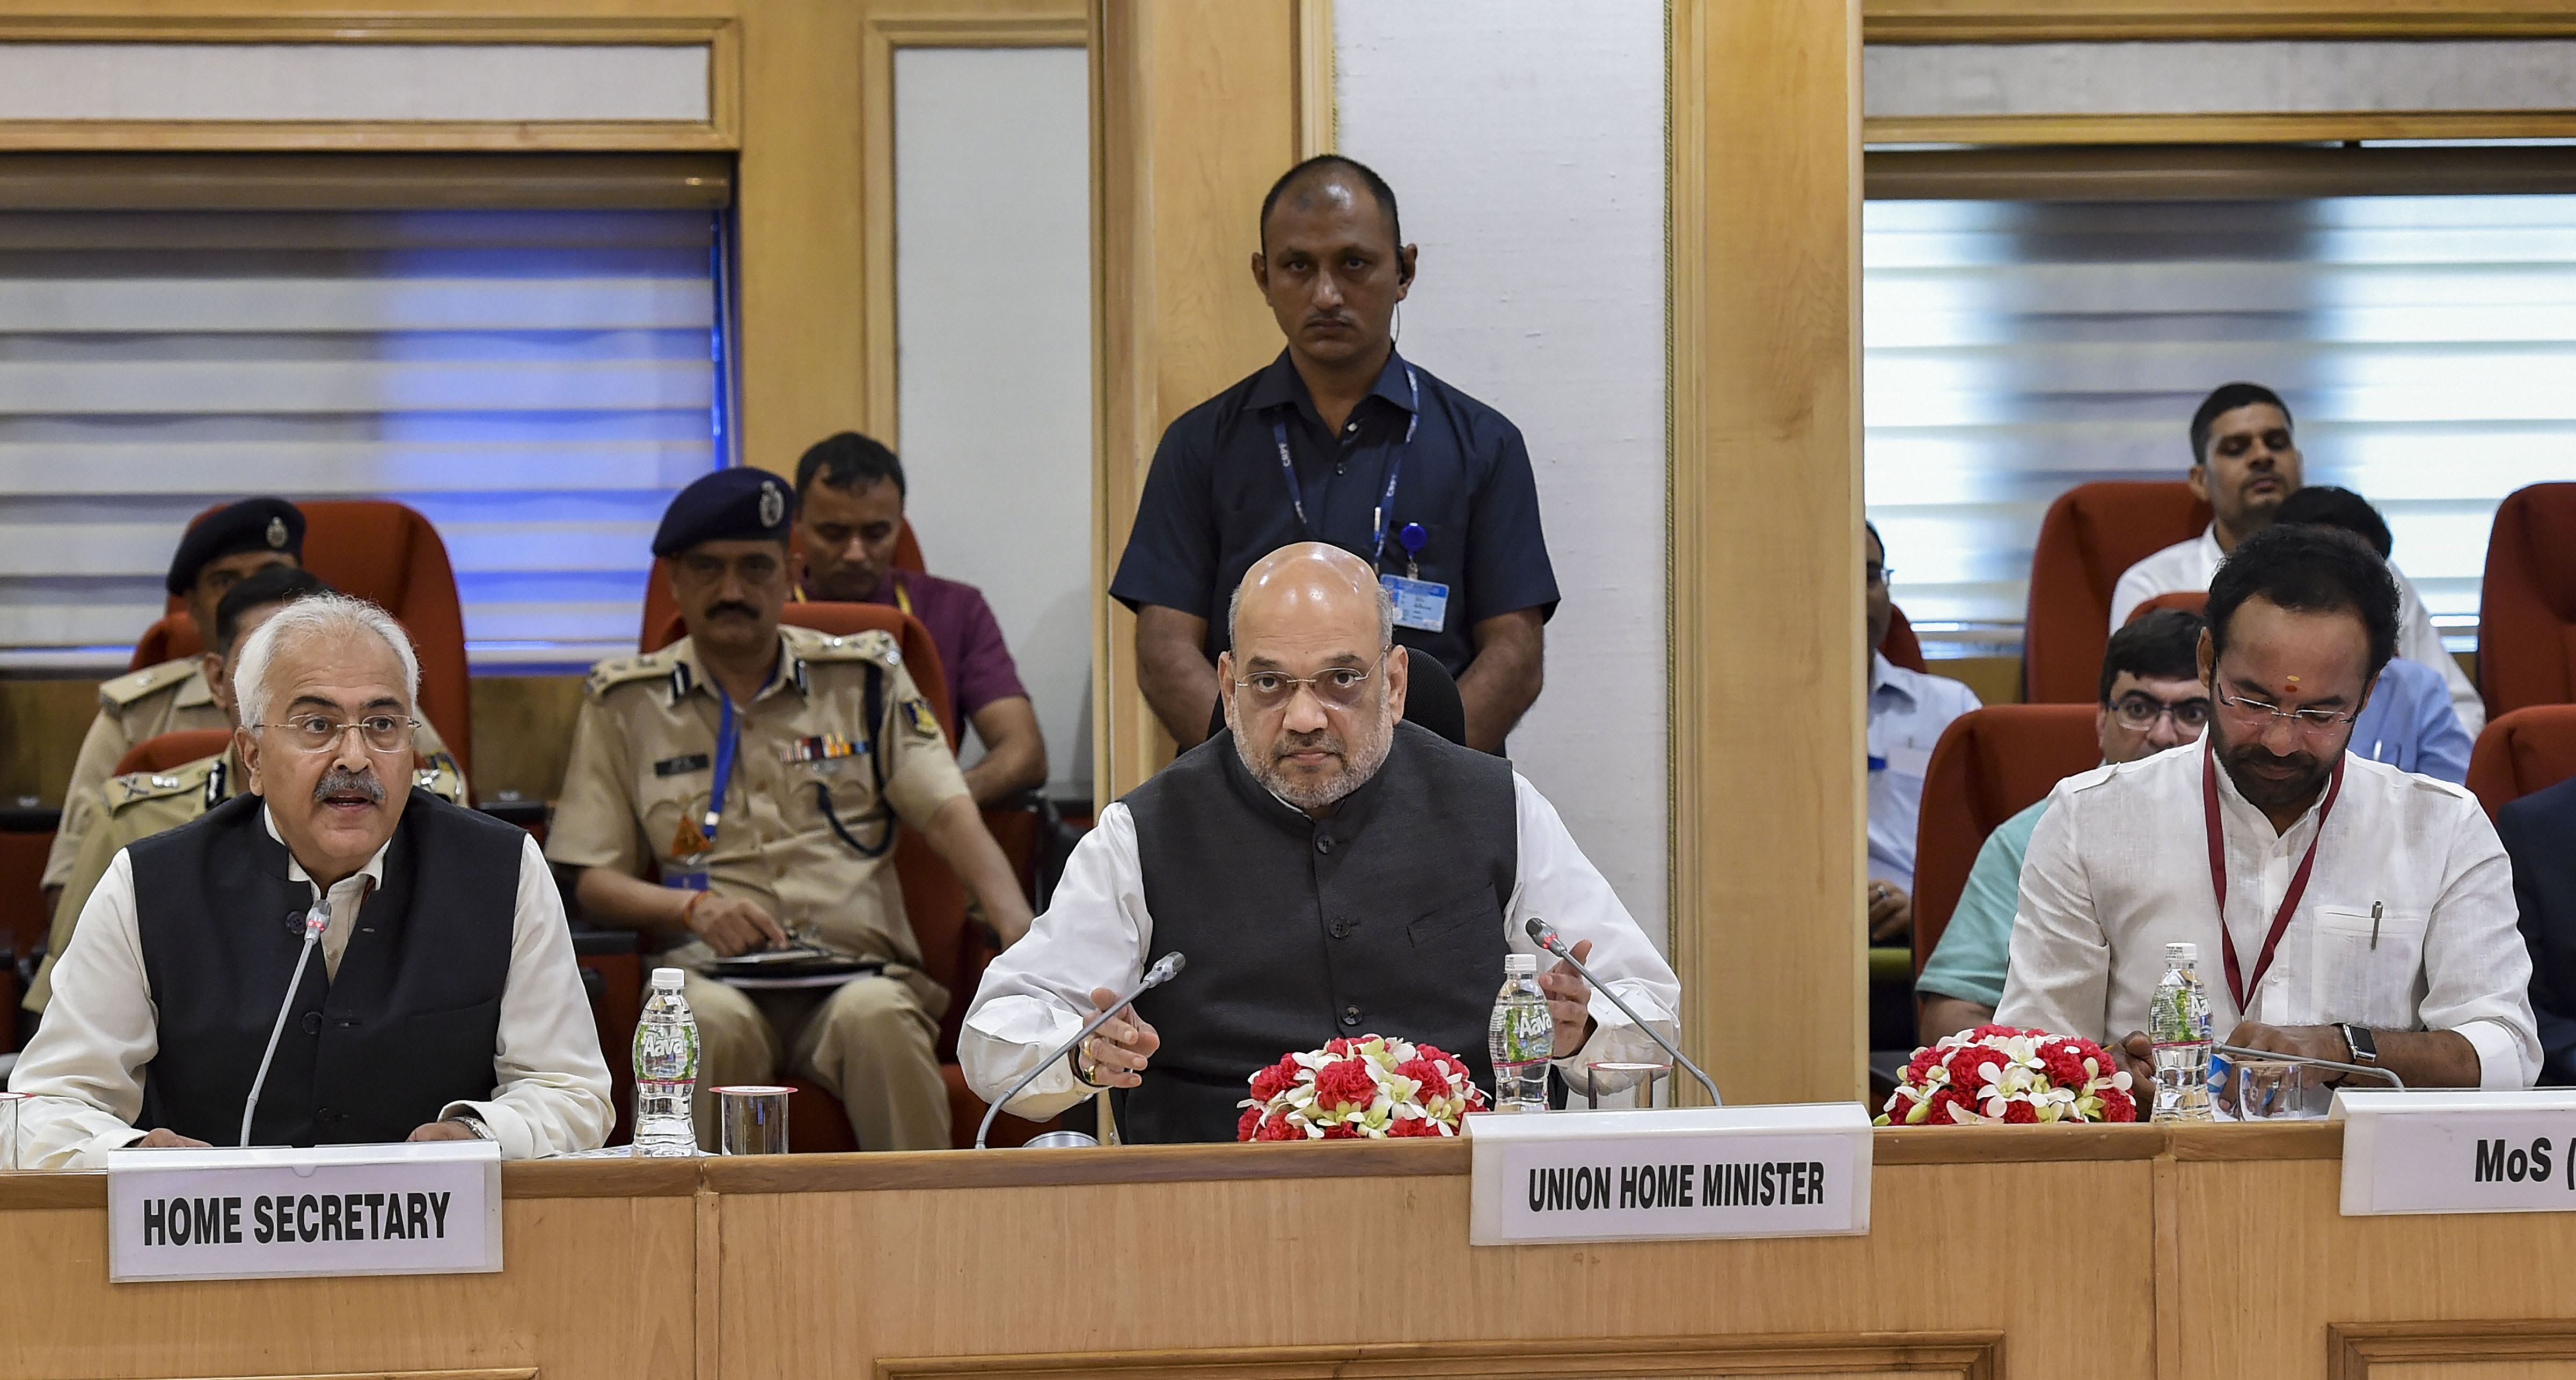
point(2119, 867)
point(1096, 933)
point(2189, 565)
point(84, 1068)
point(1907, 712)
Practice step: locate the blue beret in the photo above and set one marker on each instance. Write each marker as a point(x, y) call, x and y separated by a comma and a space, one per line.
point(728, 505)
point(254, 524)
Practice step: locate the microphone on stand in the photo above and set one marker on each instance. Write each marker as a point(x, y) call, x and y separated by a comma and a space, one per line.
point(316, 920)
point(2241, 1054)
point(1163, 971)
point(1546, 937)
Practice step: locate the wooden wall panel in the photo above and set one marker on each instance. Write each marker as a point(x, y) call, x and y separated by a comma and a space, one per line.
point(1767, 665)
point(1197, 107)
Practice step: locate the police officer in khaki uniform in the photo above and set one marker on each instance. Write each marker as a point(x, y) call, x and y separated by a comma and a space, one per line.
point(219, 550)
point(763, 772)
point(140, 804)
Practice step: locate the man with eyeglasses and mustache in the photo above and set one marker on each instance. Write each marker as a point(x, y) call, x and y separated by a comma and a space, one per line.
point(443, 1002)
point(1328, 869)
point(2356, 912)
point(758, 774)
point(2151, 700)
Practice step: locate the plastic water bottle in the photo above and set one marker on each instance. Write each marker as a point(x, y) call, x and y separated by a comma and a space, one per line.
point(1521, 1037)
point(666, 1070)
point(2180, 1018)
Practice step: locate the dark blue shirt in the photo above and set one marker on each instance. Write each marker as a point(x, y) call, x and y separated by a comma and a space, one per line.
point(1216, 500)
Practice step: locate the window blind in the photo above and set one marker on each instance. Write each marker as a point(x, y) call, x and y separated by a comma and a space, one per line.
point(537, 383)
point(2015, 349)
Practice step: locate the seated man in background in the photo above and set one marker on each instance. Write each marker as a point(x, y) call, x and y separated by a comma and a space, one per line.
point(1907, 712)
point(2410, 723)
point(2152, 699)
point(2244, 465)
point(762, 771)
point(225, 546)
point(1329, 871)
point(2343, 909)
point(2539, 833)
point(141, 804)
point(849, 512)
point(454, 1009)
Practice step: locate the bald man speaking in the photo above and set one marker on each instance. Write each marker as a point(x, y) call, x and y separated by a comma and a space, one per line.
point(1328, 869)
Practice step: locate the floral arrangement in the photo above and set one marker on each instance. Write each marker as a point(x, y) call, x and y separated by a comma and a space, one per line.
point(1371, 1088)
point(1998, 1074)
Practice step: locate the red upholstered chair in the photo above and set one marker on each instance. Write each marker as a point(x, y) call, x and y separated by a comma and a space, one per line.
point(169, 750)
point(660, 612)
point(2188, 600)
point(933, 900)
point(2528, 750)
point(1902, 648)
point(389, 555)
point(2092, 533)
point(1990, 765)
point(2527, 609)
point(26, 836)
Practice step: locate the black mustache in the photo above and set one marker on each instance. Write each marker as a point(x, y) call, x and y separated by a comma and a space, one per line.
point(340, 781)
point(1307, 742)
point(730, 606)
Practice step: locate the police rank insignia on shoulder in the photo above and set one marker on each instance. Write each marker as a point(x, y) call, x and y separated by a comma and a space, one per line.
point(822, 747)
point(917, 714)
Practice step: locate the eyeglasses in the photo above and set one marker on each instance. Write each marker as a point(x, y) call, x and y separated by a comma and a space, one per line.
point(1338, 687)
point(2314, 723)
point(2140, 712)
point(1875, 575)
point(314, 733)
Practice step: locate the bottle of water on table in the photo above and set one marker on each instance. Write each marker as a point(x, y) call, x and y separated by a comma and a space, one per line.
point(666, 1070)
point(1521, 1038)
point(2180, 1021)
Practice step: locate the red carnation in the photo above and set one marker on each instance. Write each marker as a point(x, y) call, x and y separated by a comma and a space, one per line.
point(1413, 1126)
point(1277, 1128)
point(2118, 1106)
point(1269, 1083)
point(2020, 1114)
point(1345, 1085)
point(1342, 1130)
point(1964, 1062)
point(1942, 1104)
point(1991, 1031)
point(1250, 1123)
point(1898, 1107)
point(1340, 1046)
point(1433, 1077)
point(2065, 1064)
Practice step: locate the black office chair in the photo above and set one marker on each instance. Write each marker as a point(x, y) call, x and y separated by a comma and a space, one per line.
point(1430, 701)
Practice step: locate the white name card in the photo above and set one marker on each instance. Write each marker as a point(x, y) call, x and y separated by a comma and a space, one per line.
point(1674, 1174)
point(2457, 1151)
point(432, 1208)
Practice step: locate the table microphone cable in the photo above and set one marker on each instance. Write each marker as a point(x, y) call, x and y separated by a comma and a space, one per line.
point(316, 920)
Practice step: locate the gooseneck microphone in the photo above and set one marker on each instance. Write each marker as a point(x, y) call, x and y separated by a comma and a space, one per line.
point(1546, 937)
point(1163, 971)
point(316, 920)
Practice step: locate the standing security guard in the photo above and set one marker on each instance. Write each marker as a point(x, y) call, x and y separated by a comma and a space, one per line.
point(140, 804)
point(219, 550)
point(763, 771)
point(1342, 440)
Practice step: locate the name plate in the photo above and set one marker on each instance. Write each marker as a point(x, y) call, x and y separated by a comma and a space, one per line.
point(2409, 1152)
point(432, 1208)
point(1671, 1174)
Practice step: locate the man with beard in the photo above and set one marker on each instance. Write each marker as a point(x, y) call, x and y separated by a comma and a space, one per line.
point(443, 1003)
point(2244, 464)
point(2356, 912)
point(741, 788)
point(1329, 871)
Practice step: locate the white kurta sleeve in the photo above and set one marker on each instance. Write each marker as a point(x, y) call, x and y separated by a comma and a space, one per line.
point(1094, 933)
point(1558, 884)
point(2058, 975)
point(2477, 972)
point(550, 1086)
point(83, 1071)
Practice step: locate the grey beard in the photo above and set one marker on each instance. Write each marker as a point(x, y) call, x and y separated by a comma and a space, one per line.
point(1356, 770)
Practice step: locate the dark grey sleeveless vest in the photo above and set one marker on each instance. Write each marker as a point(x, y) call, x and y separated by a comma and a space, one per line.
point(1384, 918)
point(410, 1023)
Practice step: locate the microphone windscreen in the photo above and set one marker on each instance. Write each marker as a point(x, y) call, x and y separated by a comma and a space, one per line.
point(1168, 966)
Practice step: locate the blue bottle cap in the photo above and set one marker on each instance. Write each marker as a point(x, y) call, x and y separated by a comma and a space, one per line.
point(1414, 538)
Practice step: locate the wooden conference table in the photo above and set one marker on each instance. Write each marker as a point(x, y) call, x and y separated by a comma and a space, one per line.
point(2037, 1253)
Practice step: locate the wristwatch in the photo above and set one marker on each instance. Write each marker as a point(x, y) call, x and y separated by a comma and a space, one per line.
point(474, 1123)
point(2365, 1050)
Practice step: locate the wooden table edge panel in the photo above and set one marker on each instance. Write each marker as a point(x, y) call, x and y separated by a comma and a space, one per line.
point(1131, 1164)
point(1973, 1354)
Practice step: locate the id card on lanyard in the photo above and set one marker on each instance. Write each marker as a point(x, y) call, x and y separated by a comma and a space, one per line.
point(2239, 986)
point(698, 836)
point(1420, 604)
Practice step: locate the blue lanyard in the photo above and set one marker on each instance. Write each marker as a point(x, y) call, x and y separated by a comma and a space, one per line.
point(1394, 471)
point(728, 737)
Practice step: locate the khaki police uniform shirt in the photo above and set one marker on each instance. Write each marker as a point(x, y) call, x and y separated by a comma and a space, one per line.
point(168, 698)
point(140, 804)
point(643, 771)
